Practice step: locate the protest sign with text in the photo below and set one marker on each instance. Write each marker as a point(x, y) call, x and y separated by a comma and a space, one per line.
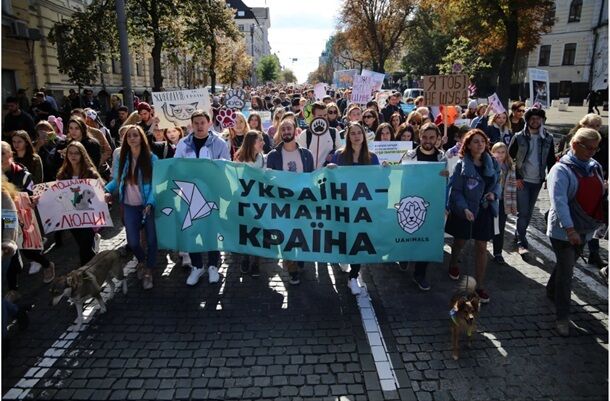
point(376, 77)
point(174, 108)
point(390, 151)
point(330, 215)
point(344, 78)
point(495, 104)
point(29, 235)
point(362, 89)
point(446, 89)
point(76, 203)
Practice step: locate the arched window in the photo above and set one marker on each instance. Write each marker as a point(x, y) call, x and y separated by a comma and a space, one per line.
point(575, 10)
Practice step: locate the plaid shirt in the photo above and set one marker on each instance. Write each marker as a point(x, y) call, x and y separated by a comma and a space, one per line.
point(509, 188)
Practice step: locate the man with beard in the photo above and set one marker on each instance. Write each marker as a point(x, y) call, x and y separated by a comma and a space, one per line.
point(425, 152)
point(532, 149)
point(289, 156)
point(321, 146)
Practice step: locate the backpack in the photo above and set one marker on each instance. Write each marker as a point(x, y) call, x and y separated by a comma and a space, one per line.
point(309, 137)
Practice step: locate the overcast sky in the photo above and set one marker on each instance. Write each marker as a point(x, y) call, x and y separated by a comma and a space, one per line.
point(299, 29)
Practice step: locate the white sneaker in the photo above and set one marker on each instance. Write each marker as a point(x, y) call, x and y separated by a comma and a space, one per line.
point(34, 267)
point(186, 259)
point(97, 238)
point(213, 275)
point(354, 286)
point(344, 267)
point(196, 273)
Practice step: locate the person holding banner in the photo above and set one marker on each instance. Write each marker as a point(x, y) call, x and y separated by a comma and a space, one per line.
point(203, 143)
point(78, 165)
point(132, 176)
point(355, 153)
point(473, 204)
point(251, 153)
point(289, 156)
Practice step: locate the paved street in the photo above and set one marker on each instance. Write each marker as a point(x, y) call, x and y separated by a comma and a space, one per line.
point(253, 339)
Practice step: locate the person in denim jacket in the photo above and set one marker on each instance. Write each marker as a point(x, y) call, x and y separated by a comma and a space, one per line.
point(473, 204)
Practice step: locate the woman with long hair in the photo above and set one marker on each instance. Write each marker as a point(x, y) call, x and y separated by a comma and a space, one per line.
point(277, 118)
point(334, 117)
point(508, 196)
point(370, 120)
point(26, 155)
point(473, 204)
point(77, 131)
point(78, 164)
point(496, 126)
point(395, 121)
point(355, 153)
point(415, 120)
point(384, 132)
point(251, 153)
point(132, 176)
point(235, 135)
point(256, 124)
point(173, 135)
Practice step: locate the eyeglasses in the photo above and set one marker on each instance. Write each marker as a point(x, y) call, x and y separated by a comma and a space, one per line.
point(332, 112)
point(582, 145)
point(368, 116)
point(521, 110)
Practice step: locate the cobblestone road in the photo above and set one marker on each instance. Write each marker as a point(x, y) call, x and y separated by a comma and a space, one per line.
point(247, 339)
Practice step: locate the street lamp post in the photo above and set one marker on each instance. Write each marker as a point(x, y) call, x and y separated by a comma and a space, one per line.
point(252, 53)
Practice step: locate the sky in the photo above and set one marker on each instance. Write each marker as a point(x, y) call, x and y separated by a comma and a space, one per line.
point(299, 29)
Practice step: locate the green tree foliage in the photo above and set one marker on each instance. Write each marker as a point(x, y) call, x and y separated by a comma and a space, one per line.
point(462, 52)
point(80, 47)
point(268, 68)
point(205, 21)
point(287, 76)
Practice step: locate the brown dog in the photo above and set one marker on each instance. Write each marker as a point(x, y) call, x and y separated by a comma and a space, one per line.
point(86, 282)
point(464, 312)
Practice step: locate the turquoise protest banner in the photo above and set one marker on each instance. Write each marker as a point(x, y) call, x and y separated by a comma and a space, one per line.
point(364, 214)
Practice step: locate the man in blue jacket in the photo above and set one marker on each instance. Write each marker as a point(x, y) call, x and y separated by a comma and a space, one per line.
point(289, 156)
point(202, 143)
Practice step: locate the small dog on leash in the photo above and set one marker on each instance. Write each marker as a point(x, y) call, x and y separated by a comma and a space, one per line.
point(86, 282)
point(464, 311)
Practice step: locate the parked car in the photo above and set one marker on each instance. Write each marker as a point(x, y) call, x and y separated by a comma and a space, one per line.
point(413, 93)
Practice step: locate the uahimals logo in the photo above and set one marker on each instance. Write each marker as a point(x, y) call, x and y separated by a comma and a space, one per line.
point(411, 212)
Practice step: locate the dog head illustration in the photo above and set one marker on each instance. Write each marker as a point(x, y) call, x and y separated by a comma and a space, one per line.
point(411, 212)
point(84, 201)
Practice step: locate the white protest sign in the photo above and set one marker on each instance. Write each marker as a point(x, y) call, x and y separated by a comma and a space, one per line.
point(539, 86)
point(390, 151)
point(319, 90)
point(446, 89)
point(382, 98)
point(377, 78)
point(74, 203)
point(362, 89)
point(495, 104)
point(265, 119)
point(174, 108)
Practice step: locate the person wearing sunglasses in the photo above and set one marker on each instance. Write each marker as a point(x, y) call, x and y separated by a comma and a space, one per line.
point(370, 118)
point(576, 188)
point(517, 111)
point(333, 117)
point(533, 151)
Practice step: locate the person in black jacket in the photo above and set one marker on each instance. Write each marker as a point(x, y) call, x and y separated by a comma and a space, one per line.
point(77, 131)
point(16, 119)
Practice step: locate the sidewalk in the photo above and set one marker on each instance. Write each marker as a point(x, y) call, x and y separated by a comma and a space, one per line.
point(561, 122)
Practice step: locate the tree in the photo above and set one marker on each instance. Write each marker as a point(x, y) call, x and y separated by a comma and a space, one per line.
point(268, 68)
point(287, 76)
point(374, 30)
point(80, 47)
point(156, 20)
point(426, 45)
point(505, 26)
point(234, 62)
point(461, 51)
point(207, 21)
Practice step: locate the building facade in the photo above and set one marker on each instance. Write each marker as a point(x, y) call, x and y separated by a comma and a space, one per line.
point(575, 52)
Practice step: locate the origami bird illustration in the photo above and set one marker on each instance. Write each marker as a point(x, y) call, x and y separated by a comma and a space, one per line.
point(199, 207)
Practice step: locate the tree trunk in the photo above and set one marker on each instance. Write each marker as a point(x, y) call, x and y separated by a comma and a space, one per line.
point(157, 47)
point(213, 65)
point(505, 72)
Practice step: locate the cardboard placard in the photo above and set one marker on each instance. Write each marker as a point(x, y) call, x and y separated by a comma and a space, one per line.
point(376, 77)
point(446, 89)
point(319, 90)
point(495, 104)
point(174, 108)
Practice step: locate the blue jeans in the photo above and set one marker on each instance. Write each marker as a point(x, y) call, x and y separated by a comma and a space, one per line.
point(197, 258)
point(132, 216)
point(559, 287)
point(526, 200)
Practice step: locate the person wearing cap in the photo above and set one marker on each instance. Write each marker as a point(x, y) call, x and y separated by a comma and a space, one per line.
point(532, 149)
